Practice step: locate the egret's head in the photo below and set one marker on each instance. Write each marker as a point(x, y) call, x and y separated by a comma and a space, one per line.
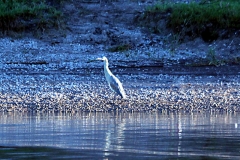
point(102, 59)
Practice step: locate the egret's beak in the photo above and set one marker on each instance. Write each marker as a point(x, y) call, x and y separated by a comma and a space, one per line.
point(99, 59)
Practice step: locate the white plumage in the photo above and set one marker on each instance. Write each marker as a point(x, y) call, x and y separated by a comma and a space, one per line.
point(112, 80)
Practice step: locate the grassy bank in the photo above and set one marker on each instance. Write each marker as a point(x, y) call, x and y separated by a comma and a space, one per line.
point(22, 15)
point(208, 19)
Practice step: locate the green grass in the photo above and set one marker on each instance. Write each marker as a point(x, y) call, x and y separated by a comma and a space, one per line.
point(120, 48)
point(18, 15)
point(194, 19)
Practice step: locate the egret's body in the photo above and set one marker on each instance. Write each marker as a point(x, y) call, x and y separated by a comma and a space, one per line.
point(112, 80)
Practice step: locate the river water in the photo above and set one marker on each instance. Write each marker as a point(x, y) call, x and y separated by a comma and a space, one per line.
point(120, 135)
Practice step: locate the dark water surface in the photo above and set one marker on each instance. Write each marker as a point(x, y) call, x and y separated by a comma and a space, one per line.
point(120, 136)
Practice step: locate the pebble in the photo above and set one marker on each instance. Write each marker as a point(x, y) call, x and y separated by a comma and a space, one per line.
point(73, 93)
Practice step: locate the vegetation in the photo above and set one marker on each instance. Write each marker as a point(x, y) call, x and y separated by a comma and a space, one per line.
point(209, 19)
point(20, 15)
point(120, 48)
point(212, 58)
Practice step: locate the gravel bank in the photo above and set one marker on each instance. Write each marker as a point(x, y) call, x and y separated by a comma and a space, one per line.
point(56, 73)
point(69, 92)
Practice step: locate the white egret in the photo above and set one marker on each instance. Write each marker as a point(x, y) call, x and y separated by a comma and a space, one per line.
point(112, 80)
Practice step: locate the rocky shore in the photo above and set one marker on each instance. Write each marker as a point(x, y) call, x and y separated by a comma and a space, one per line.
point(186, 90)
point(57, 73)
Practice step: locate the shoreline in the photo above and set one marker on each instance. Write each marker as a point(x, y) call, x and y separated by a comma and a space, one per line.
point(57, 72)
point(146, 92)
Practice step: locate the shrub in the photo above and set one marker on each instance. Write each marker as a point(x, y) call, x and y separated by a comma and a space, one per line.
point(18, 15)
point(207, 18)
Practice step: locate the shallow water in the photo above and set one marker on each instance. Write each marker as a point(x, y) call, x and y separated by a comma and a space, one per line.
point(120, 135)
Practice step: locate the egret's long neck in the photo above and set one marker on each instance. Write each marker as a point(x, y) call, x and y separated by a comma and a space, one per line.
point(106, 69)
